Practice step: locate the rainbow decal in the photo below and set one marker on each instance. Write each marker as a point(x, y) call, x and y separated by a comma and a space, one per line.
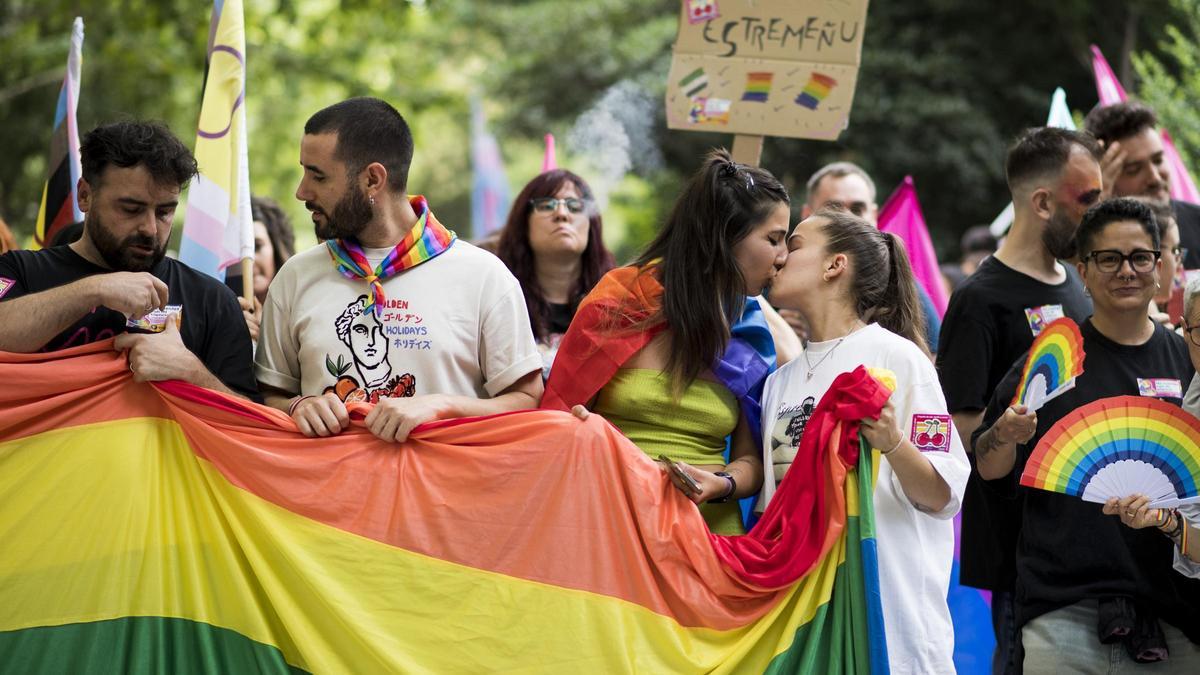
point(815, 90)
point(1055, 360)
point(170, 528)
point(1115, 447)
point(758, 87)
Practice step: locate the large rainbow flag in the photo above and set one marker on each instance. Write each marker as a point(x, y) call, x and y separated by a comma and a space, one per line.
point(217, 228)
point(167, 528)
point(60, 201)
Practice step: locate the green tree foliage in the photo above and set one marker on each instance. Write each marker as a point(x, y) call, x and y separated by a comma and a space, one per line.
point(1170, 83)
point(944, 86)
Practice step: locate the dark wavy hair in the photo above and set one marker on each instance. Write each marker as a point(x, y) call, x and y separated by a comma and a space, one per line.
point(515, 251)
point(279, 228)
point(884, 288)
point(132, 143)
point(1120, 121)
point(704, 290)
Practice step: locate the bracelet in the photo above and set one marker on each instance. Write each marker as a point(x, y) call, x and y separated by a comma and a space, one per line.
point(1173, 524)
point(732, 488)
point(894, 447)
point(1183, 540)
point(297, 402)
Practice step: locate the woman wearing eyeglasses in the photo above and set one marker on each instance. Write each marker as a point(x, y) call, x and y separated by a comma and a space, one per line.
point(670, 351)
point(552, 244)
point(1091, 592)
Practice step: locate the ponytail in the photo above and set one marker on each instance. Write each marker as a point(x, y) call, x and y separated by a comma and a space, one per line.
point(883, 288)
point(900, 311)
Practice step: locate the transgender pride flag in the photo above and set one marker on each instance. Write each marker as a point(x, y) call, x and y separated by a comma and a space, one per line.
point(60, 205)
point(489, 189)
point(218, 231)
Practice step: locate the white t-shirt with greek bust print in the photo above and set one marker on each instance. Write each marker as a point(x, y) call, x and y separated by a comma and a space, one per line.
point(456, 324)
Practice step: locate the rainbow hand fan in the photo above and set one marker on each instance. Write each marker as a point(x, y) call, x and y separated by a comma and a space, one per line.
point(1119, 446)
point(1055, 360)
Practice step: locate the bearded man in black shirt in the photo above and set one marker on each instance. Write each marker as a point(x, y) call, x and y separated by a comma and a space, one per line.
point(173, 322)
point(993, 316)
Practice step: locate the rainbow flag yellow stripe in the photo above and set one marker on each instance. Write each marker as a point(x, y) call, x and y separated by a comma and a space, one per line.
point(168, 528)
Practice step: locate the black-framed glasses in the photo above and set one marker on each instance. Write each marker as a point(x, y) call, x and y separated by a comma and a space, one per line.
point(1109, 261)
point(550, 204)
point(1192, 332)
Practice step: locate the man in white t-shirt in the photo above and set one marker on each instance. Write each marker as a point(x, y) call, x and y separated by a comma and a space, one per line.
point(392, 309)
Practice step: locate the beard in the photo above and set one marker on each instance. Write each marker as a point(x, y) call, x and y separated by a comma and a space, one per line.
point(116, 252)
point(1059, 236)
point(350, 216)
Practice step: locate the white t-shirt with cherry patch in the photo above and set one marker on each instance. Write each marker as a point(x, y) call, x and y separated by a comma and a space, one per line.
point(916, 548)
point(456, 324)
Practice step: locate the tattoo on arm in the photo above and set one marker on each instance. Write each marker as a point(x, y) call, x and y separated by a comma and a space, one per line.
point(987, 444)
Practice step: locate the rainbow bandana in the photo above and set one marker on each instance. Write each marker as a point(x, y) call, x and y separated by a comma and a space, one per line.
point(427, 240)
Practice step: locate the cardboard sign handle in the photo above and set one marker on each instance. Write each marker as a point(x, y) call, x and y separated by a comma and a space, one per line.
point(747, 149)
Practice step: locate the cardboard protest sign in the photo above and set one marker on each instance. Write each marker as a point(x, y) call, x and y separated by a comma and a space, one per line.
point(766, 67)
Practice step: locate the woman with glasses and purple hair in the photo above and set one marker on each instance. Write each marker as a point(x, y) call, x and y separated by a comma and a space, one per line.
point(1090, 591)
point(552, 244)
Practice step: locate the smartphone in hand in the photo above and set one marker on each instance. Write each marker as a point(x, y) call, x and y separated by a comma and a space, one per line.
point(683, 475)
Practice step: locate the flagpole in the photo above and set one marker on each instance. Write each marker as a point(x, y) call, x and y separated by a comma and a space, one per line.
point(248, 280)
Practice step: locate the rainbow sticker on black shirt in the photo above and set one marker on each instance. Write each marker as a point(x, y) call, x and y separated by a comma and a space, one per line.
point(6, 285)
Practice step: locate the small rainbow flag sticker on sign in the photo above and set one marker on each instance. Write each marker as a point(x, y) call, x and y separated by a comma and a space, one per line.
point(1119, 446)
point(815, 91)
point(758, 87)
point(694, 83)
point(1054, 361)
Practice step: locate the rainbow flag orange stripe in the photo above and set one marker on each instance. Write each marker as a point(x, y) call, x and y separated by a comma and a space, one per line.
point(169, 528)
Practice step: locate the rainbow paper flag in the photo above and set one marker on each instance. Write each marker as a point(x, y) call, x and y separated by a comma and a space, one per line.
point(60, 203)
point(168, 528)
point(758, 87)
point(1120, 446)
point(815, 90)
point(1110, 91)
point(218, 230)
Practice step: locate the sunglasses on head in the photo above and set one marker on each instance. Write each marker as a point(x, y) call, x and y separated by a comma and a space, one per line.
point(550, 204)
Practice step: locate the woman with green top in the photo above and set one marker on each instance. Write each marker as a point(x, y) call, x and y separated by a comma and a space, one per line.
point(670, 349)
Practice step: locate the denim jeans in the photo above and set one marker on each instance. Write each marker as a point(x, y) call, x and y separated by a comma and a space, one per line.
point(1065, 641)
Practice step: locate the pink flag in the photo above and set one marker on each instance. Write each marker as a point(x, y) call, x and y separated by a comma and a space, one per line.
point(1110, 91)
point(550, 159)
point(901, 215)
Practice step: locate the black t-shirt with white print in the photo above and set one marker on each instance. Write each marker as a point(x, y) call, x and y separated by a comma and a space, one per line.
point(1068, 550)
point(213, 327)
point(991, 321)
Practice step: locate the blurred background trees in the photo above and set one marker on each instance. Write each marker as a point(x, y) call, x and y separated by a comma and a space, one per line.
point(945, 84)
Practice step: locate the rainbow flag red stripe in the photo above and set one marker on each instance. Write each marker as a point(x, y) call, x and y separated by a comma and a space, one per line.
point(170, 528)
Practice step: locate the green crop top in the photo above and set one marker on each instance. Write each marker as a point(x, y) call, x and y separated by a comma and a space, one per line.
point(638, 401)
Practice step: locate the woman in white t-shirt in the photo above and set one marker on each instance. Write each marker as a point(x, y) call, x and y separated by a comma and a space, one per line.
point(854, 285)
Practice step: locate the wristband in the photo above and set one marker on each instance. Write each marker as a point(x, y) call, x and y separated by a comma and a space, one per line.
point(727, 495)
point(894, 447)
point(292, 408)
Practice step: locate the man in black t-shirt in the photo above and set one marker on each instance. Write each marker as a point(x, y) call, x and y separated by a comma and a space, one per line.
point(1134, 166)
point(992, 318)
point(174, 323)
